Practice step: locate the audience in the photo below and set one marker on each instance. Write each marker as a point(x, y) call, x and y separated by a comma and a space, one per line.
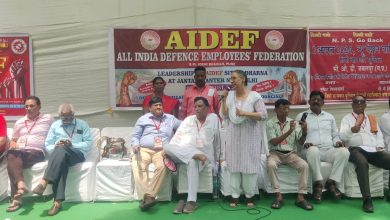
point(195, 144)
point(199, 89)
point(26, 148)
point(68, 142)
point(283, 136)
point(323, 144)
point(171, 105)
point(364, 139)
point(151, 132)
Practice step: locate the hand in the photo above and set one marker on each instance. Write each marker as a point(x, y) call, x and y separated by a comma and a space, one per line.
point(136, 149)
point(292, 125)
point(355, 129)
point(303, 126)
point(379, 149)
point(339, 144)
point(239, 112)
point(359, 119)
point(307, 145)
point(224, 94)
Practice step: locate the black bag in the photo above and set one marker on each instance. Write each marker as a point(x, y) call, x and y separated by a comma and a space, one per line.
point(114, 147)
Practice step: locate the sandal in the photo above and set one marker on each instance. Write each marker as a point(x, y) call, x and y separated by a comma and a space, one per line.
point(20, 193)
point(250, 203)
point(304, 204)
point(317, 191)
point(233, 202)
point(331, 186)
point(14, 205)
point(277, 204)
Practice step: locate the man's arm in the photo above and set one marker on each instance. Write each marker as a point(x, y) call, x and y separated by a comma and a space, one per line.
point(216, 102)
point(51, 139)
point(137, 134)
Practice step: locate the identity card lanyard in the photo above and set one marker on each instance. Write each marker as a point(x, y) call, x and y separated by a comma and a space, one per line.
point(158, 140)
point(199, 141)
point(70, 135)
point(23, 142)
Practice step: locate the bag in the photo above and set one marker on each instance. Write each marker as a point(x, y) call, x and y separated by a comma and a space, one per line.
point(114, 148)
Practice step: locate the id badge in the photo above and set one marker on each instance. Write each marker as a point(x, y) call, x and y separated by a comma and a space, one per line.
point(22, 142)
point(210, 92)
point(158, 143)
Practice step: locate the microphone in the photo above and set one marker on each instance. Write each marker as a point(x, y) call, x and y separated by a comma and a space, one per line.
point(228, 88)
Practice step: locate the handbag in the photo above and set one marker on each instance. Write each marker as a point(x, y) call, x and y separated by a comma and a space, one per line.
point(114, 148)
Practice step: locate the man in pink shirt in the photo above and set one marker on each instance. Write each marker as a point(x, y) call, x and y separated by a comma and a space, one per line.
point(26, 147)
point(199, 89)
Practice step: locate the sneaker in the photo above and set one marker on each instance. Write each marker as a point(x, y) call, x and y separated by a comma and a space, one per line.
point(190, 207)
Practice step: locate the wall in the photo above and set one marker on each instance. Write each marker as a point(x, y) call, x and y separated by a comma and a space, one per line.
point(70, 39)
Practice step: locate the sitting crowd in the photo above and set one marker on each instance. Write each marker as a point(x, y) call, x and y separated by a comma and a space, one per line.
point(159, 137)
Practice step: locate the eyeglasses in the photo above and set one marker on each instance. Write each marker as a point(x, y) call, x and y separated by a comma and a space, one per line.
point(359, 102)
point(30, 106)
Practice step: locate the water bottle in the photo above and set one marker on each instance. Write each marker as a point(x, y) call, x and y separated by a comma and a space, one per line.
point(215, 187)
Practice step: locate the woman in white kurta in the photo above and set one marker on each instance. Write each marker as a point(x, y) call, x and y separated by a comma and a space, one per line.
point(243, 112)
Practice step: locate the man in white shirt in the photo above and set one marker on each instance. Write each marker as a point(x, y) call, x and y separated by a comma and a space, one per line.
point(195, 144)
point(323, 144)
point(384, 125)
point(360, 133)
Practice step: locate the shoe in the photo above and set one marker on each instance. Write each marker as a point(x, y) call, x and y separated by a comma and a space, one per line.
point(332, 189)
point(277, 204)
point(317, 191)
point(179, 207)
point(39, 189)
point(147, 203)
point(388, 197)
point(190, 207)
point(14, 205)
point(233, 202)
point(304, 204)
point(250, 203)
point(367, 205)
point(55, 208)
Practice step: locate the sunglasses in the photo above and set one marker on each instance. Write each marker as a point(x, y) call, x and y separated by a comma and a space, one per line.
point(359, 102)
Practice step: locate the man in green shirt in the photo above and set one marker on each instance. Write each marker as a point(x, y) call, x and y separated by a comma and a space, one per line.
point(283, 136)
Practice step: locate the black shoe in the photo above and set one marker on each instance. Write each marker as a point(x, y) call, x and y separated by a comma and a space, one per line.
point(388, 197)
point(147, 203)
point(367, 205)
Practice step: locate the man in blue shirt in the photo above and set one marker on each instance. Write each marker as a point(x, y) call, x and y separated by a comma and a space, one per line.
point(151, 132)
point(68, 142)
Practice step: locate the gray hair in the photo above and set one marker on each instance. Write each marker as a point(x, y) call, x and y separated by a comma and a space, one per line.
point(65, 108)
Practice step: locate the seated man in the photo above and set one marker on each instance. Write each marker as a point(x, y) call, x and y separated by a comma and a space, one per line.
point(283, 136)
point(195, 144)
point(151, 132)
point(26, 148)
point(323, 144)
point(384, 125)
point(68, 142)
point(360, 133)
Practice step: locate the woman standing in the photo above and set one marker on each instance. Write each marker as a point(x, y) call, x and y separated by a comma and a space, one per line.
point(243, 110)
point(170, 105)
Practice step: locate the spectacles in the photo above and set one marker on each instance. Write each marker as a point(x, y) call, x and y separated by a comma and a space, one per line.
point(359, 102)
point(29, 106)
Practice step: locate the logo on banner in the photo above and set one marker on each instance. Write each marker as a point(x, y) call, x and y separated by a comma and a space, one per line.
point(274, 40)
point(150, 40)
point(18, 46)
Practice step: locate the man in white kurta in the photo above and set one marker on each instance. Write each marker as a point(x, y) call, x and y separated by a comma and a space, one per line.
point(364, 140)
point(195, 144)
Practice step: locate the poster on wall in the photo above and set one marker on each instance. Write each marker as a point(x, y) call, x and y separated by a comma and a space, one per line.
point(273, 59)
point(344, 63)
point(16, 73)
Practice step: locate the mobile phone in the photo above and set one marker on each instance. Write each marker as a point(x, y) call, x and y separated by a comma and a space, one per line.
point(303, 118)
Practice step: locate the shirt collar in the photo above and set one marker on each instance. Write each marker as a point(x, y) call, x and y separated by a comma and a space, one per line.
point(27, 119)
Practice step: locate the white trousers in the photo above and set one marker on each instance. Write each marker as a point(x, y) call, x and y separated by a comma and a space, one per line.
point(338, 157)
point(243, 182)
point(184, 155)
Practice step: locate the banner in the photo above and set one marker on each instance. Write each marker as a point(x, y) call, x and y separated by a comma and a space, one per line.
point(344, 63)
point(274, 60)
point(16, 73)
